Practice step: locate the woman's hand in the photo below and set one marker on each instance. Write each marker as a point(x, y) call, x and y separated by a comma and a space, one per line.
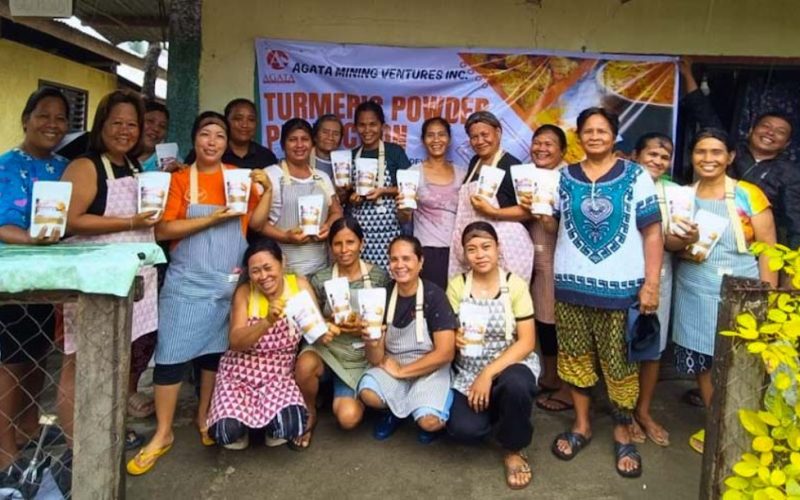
point(297, 237)
point(365, 336)
point(258, 176)
point(479, 392)
point(324, 229)
point(482, 205)
point(525, 200)
point(223, 214)
point(174, 166)
point(374, 194)
point(648, 298)
point(333, 332)
point(690, 230)
point(350, 325)
point(460, 341)
point(42, 239)
point(355, 198)
point(275, 312)
point(145, 220)
point(392, 367)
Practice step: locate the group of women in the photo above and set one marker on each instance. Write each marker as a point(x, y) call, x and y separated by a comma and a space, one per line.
point(569, 279)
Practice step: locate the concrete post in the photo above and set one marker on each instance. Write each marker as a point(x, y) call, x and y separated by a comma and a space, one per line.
point(183, 96)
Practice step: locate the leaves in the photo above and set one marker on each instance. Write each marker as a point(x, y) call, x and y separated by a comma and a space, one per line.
point(752, 423)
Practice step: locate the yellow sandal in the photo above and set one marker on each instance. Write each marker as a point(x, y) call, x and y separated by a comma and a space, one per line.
point(134, 466)
point(698, 440)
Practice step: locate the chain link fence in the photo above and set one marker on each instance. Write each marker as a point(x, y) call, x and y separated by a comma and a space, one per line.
point(62, 416)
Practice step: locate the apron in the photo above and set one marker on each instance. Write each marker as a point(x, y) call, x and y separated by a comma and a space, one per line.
point(378, 219)
point(308, 258)
point(203, 273)
point(253, 386)
point(516, 248)
point(665, 291)
point(496, 340)
point(121, 201)
point(344, 355)
point(407, 345)
point(543, 285)
point(697, 285)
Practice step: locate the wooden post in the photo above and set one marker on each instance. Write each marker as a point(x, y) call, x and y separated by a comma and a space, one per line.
point(101, 387)
point(738, 379)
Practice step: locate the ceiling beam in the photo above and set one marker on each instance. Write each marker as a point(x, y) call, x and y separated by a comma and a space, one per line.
point(73, 36)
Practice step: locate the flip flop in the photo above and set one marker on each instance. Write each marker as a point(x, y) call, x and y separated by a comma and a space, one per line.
point(627, 450)
point(134, 466)
point(661, 440)
point(517, 469)
point(133, 440)
point(692, 397)
point(543, 389)
point(560, 404)
point(698, 440)
point(576, 441)
point(638, 435)
point(140, 406)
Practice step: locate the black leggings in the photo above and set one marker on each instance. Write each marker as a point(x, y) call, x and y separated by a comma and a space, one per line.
point(509, 413)
point(289, 423)
point(173, 374)
point(547, 338)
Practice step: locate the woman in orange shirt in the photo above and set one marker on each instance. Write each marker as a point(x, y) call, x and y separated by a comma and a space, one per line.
point(208, 242)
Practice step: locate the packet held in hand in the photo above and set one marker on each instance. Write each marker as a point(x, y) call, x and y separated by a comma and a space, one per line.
point(372, 304)
point(680, 206)
point(342, 164)
point(489, 181)
point(237, 189)
point(337, 290)
point(303, 312)
point(407, 185)
point(474, 321)
point(710, 226)
point(153, 191)
point(522, 179)
point(366, 175)
point(545, 190)
point(166, 154)
point(50, 202)
point(310, 208)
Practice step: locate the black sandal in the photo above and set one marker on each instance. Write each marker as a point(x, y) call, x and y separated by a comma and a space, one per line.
point(627, 451)
point(576, 441)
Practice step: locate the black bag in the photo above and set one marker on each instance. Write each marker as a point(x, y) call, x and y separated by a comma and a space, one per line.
point(642, 335)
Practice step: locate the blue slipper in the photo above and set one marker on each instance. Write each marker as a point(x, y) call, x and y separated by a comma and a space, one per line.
point(386, 426)
point(425, 437)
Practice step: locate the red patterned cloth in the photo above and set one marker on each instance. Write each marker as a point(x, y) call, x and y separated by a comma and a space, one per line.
point(253, 386)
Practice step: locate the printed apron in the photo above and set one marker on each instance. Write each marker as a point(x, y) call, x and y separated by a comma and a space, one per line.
point(308, 258)
point(253, 386)
point(516, 248)
point(499, 336)
point(203, 273)
point(407, 345)
point(344, 355)
point(377, 218)
point(121, 201)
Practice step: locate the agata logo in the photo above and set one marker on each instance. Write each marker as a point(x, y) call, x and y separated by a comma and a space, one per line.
point(277, 59)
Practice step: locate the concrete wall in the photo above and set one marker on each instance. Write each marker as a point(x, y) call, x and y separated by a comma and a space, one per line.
point(22, 67)
point(707, 27)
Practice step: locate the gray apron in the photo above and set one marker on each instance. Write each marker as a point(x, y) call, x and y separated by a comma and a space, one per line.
point(308, 258)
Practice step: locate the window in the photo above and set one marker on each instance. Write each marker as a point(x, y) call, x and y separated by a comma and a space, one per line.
point(78, 99)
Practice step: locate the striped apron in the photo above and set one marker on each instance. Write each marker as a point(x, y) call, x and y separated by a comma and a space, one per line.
point(407, 345)
point(253, 386)
point(697, 285)
point(516, 248)
point(308, 258)
point(665, 292)
point(195, 302)
point(121, 201)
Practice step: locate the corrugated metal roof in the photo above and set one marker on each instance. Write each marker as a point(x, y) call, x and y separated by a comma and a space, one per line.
point(126, 20)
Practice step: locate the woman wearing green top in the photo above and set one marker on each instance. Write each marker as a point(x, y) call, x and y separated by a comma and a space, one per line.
point(654, 151)
point(339, 356)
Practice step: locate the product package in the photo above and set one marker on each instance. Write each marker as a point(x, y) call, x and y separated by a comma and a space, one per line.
point(50, 203)
point(337, 291)
point(522, 178)
point(475, 322)
point(302, 311)
point(489, 181)
point(710, 226)
point(166, 154)
point(407, 185)
point(366, 175)
point(342, 165)
point(545, 190)
point(153, 191)
point(237, 189)
point(680, 206)
point(310, 208)
point(372, 304)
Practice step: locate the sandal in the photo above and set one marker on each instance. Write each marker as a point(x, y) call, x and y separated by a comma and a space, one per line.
point(698, 440)
point(576, 441)
point(637, 433)
point(135, 467)
point(140, 405)
point(205, 439)
point(655, 433)
point(692, 397)
point(512, 471)
point(133, 440)
point(627, 450)
point(554, 404)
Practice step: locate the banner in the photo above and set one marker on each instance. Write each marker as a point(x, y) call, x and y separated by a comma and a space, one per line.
point(524, 89)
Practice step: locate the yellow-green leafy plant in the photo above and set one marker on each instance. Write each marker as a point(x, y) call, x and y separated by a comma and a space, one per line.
point(771, 470)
